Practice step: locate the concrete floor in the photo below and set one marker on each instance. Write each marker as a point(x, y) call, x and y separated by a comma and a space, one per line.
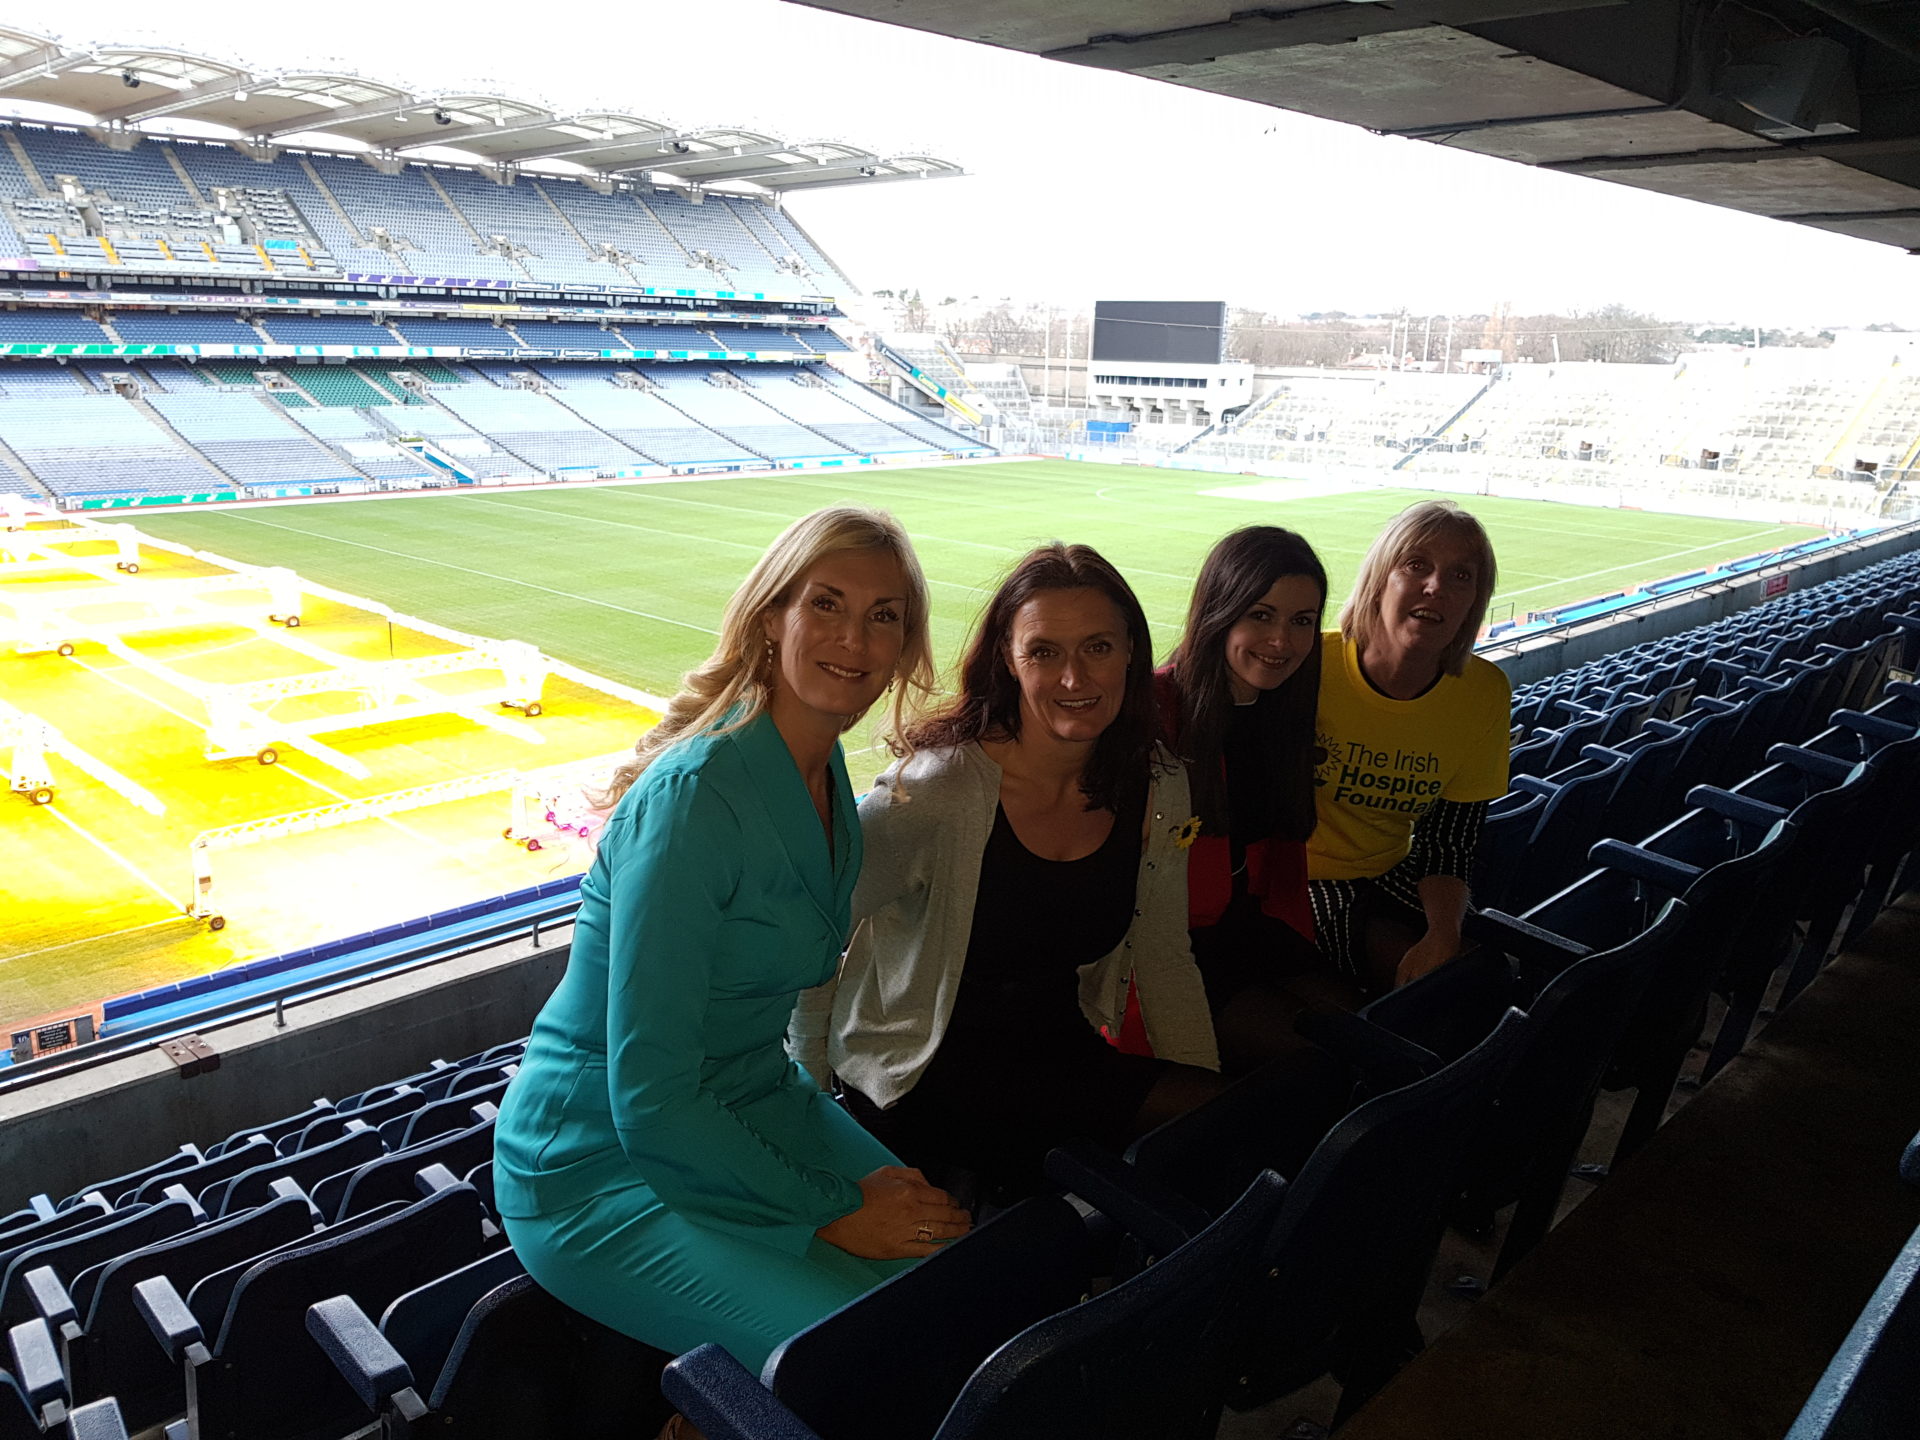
point(1701, 1291)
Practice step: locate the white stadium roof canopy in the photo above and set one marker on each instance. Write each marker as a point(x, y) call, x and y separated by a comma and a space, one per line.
point(132, 87)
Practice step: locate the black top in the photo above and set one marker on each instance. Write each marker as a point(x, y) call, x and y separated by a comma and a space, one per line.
point(1252, 808)
point(1036, 922)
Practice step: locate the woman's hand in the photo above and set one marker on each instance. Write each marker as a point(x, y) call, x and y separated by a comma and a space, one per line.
point(901, 1217)
point(1427, 954)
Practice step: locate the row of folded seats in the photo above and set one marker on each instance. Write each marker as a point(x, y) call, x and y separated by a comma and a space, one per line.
point(343, 1266)
point(1638, 729)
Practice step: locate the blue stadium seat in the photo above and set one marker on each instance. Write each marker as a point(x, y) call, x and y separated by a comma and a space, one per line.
point(66, 1256)
point(105, 1343)
point(252, 1372)
point(1027, 1263)
point(392, 1177)
point(506, 1363)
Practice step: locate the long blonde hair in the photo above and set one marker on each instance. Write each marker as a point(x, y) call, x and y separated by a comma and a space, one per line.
point(735, 683)
point(1412, 529)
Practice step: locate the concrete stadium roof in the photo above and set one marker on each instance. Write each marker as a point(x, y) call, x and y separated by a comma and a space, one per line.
point(129, 87)
point(1803, 110)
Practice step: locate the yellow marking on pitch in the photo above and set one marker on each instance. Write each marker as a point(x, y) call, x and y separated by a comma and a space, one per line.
point(78, 897)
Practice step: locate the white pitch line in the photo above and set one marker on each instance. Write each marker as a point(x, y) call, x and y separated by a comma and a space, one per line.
point(134, 690)
point(90, 939)
point(173, 901)
point(409, 832)
point(469, 570)
point(1634, 564)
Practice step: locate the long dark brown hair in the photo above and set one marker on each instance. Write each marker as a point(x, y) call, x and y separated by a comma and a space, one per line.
point(988, 705)
point(1241, 568)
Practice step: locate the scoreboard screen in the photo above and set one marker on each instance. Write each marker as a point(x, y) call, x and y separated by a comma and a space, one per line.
point(1183, 332)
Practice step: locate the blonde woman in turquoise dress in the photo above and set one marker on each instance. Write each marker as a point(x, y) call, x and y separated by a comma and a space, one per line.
point(660, 1164)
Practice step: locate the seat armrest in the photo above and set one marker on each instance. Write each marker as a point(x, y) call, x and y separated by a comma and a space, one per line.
point(1604, 753)
point(1533, 785)
point(364, 1357)
point(287, 1188)
point(1529, 944)
point(432, 1179)
point(49, 1296)
point(36, 1364)
point(1874, 727)
point(1830, 768)
point(100, 1420)
point(1673, 876)
point(1158, 1217)
point(1743, 809)
point(1386, 1060)
point(180, 1192)
point(172, 1323)
point(1666, 729)
point(1713, 704)
point(725, 1401)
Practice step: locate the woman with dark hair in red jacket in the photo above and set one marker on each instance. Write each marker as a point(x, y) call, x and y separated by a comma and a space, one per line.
point(1237, 700)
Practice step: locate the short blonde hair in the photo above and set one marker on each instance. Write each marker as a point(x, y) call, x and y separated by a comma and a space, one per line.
point(736, 679)
point(1415, 528)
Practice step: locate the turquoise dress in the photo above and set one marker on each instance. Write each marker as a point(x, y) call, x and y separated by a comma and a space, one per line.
point(660, 1164)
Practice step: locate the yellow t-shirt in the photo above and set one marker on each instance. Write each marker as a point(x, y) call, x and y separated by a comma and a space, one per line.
point(1380, 763)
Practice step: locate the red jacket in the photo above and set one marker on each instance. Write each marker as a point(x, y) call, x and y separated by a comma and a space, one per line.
point(1276, 869)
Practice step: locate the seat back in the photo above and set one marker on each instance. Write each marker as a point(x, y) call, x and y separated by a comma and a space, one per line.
point(1146, 1359)
point(422, 1323)
point(1029, 1263)
point(523, 1364)
point(90, 1213)
point(267, 1379)
point(124, 1185)
point(306, 1168)
point(78, 1250)
point(390, 1177)
point(115, 1354)
point(1348, 1260)
point(198, 1179)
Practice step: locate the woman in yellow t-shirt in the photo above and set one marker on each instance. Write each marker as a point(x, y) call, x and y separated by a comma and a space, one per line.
point(1412, 742)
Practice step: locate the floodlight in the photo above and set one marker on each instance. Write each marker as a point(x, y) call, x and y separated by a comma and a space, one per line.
point(129, 79)
point(441, 117)
point(240, 96)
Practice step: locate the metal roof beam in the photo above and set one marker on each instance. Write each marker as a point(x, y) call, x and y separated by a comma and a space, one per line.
point(454, 134)
point(1836, 149)
point(735, 152)
point(839, 162)
point(168, 102)
point(321, 119)
point(799, 182)
point(38, 64)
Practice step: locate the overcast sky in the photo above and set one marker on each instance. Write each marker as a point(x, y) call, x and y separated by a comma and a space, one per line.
point(1086, 184)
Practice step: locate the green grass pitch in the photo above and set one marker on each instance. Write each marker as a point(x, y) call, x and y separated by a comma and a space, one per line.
point(629, 580)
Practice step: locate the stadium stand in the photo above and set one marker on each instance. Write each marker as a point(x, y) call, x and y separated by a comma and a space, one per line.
point(644, 421)
point(245, 437)
point(359, 441)
point(186, 328)
point(100, 445)
point(50, 326)
point(292, 328)
point(539, 430)
point(36, 378)
point(804, 398)
point(715, 399)
point(876, 405)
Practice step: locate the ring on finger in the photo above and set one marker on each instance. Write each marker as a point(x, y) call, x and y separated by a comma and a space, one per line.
point(926, 1233)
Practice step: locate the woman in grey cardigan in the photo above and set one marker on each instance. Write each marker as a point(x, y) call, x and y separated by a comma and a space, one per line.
point(1024, 863)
